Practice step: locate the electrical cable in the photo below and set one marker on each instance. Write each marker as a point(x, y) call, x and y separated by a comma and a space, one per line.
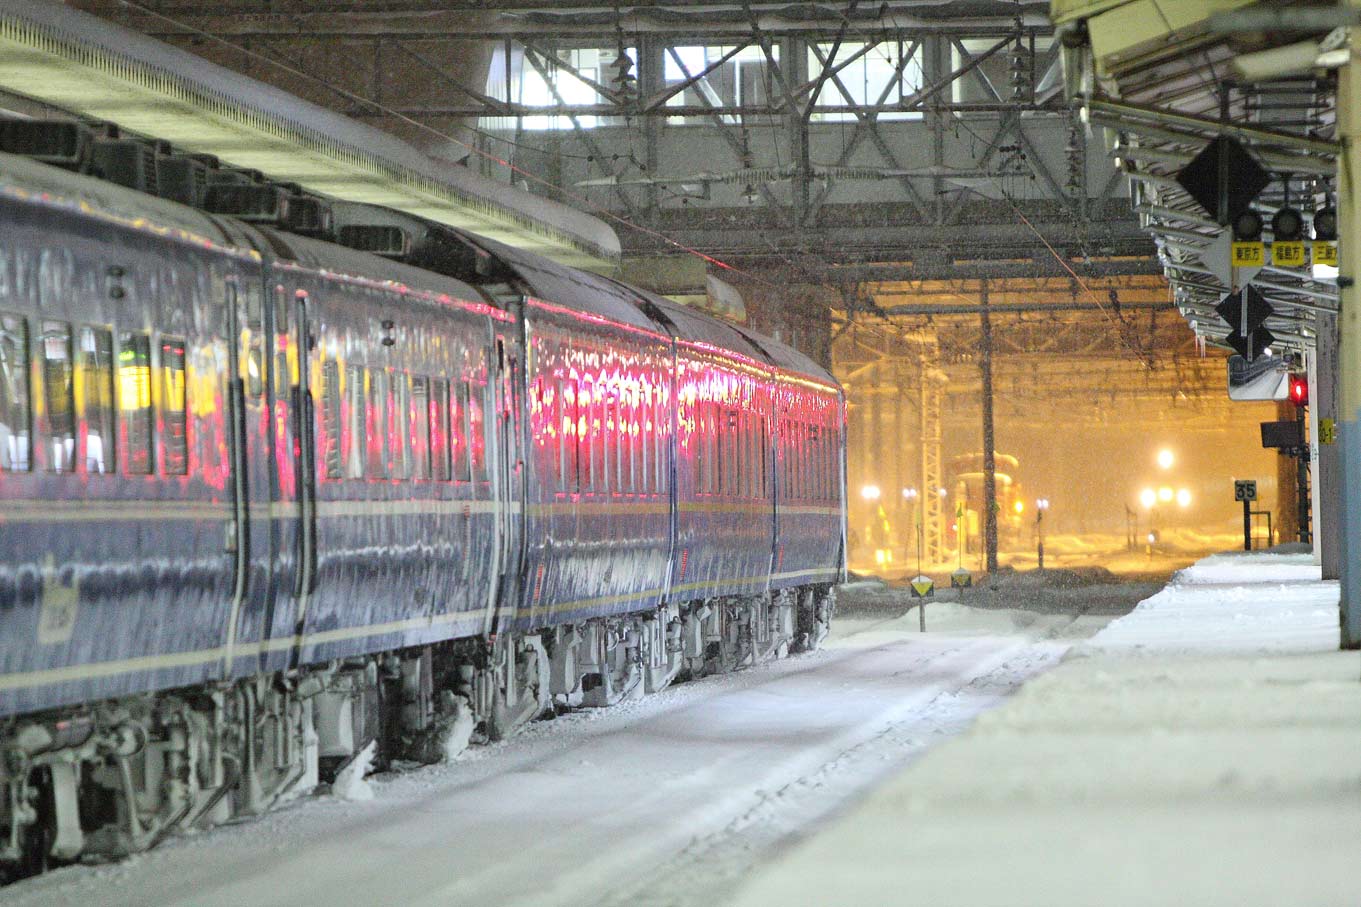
point(588, 203)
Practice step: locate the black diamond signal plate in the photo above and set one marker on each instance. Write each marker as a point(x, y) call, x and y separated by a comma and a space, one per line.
point(1253, 345)
point(1246, 178)
point(1259, 310)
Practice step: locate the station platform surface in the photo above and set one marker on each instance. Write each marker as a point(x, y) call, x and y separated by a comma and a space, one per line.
point(1205, 749)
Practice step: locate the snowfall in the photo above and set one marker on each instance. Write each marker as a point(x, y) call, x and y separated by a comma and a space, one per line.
point(1204, 748)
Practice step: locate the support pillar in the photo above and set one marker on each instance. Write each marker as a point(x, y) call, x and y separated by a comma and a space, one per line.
point(932, 476)
point(989, 440)
point(1326, 458)
point(1349, 342)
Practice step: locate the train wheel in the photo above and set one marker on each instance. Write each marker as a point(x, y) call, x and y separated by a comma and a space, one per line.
point(35, 849)
point(520, 693)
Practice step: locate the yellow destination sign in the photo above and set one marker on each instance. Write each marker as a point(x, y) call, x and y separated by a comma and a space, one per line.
point(1327, 431)
point(1247, 255)
point(1325, 253)
point(1287, 254)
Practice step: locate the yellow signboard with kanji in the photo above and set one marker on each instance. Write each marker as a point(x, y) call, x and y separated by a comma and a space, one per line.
point(1287, 254)
point(1325, 253)
point(1247, 255)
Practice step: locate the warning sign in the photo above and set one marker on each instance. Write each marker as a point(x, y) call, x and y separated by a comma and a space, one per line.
point(1327, 431)
point(1325, 253)
point(1247, 255)
point(1287, 254)
point(923, 587)
point(961, 579)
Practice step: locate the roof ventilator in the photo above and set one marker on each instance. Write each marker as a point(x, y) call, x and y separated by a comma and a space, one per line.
point(61, 143)
point(269, 203)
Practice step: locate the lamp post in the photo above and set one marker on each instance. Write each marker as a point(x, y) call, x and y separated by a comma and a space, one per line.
point(1041, 506)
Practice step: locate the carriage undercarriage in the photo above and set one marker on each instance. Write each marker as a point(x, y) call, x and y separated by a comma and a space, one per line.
point(103, 781)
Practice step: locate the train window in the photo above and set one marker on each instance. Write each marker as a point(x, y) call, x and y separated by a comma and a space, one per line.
point(331, 419)
point(662, 436)
point(401, 426)
point(571, 445)
point(419, 433)
point(420, 427)
point(609, 480)
point(95, 393)
point(440, 465)
point(595, 435)
point(463, 437)
point(751, 478)
point(379, 392)
point(458, 438)
point(647, 431)
point(629, 430)
point(280, 310)
point(477, 435)
point(732, 476)
point(135, 415)
point(764, 458)
point(175, 437)
point(255, 355)
point(356, 424)
point(59, 395)
point(15, 411)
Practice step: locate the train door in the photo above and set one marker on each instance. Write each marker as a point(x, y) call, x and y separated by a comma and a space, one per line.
point(293, 507)
point(509, 475)
point(250, 532)
point(303, 448)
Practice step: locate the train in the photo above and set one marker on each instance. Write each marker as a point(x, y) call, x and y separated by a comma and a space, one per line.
point(284, 479)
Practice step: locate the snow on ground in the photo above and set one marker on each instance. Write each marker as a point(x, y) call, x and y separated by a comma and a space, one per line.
point(672, 799)
point(1203, 750)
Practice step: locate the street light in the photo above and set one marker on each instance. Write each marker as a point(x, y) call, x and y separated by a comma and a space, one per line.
point(1041, 505)
point(1166, 458)
point(909, 494)
point(1184, 498)
point(1148, 497)
point(870, 492)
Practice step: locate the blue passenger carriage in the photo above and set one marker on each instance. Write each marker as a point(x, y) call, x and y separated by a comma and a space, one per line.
point(279, 481)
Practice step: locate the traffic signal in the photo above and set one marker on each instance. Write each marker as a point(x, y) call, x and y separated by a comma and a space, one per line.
point(1299, 390)
point(1247, 226)
point(1287, 225)
point(1325, 224)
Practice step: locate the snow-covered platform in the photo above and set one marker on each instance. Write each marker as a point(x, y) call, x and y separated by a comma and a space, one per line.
point(1205, 749)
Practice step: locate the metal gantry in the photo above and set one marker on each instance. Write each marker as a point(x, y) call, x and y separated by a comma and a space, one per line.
point(767, 134)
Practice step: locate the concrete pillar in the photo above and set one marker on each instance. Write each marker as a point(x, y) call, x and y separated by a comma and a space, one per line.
point(1349, 342)
point(1326, 457)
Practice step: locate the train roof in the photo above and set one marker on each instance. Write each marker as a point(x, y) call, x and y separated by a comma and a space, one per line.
point(326, 256)
point(699, 327)
point(27, 176)
point(581, 290)
point(786, 357)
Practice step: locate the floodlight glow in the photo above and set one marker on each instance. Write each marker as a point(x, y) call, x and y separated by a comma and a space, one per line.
point(1165, 494)
point(1019, 506)
point(1184, 498)
point(1166, 458)
point(1148, 497)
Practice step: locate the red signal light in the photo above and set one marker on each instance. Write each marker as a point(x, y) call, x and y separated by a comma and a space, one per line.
point(1299, 390)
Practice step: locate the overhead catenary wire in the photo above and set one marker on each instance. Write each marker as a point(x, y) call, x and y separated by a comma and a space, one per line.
point(594, 207)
